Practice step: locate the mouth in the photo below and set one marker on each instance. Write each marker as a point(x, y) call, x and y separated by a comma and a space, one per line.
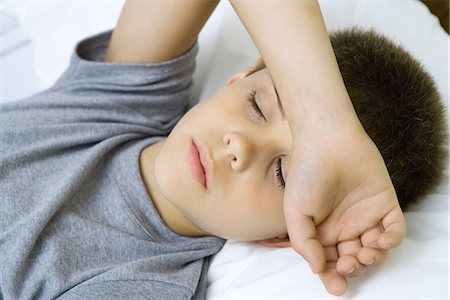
point(199, 163)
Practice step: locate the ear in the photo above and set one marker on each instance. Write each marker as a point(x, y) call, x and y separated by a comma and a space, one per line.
point(256, 65)
point(278, 242)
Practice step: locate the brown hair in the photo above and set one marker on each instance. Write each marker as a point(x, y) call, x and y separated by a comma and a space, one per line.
point(399, 106)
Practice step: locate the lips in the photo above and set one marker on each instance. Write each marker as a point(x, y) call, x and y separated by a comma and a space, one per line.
point(199, 163)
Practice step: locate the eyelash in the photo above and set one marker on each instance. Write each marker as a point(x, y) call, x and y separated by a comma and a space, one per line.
point(279, 175)
point(251, 98)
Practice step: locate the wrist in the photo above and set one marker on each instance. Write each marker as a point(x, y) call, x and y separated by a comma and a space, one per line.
point(311, 117)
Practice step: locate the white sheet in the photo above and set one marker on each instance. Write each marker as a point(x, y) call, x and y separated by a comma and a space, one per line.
point(417, 269)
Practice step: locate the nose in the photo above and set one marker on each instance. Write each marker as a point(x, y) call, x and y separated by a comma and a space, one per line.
point(239, 149)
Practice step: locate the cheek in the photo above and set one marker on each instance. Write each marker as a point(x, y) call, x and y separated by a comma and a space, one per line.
point(245, 212)
point(203, 119)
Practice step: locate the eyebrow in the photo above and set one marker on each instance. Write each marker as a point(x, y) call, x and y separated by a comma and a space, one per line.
point(280, 106)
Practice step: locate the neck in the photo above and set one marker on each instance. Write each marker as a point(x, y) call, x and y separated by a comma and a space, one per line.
point(173, 218)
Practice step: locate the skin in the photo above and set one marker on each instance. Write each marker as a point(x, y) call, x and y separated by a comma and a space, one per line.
point(261, 217)
point(242, 192)
point(334, 201)
point(339, 190)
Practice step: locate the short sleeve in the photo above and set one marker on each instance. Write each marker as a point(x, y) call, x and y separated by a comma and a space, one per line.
point(93, 91)
point(88, 72)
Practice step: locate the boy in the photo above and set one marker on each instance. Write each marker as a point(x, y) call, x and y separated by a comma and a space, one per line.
point(122, 212)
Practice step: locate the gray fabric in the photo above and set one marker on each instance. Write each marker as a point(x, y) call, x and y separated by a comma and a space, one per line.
point(75, 219)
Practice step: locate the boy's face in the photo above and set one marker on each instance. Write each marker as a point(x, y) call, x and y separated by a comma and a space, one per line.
point(220, 166)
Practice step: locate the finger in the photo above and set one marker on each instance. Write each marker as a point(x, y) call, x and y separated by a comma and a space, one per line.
point(372, 256)
point(302, 234)
point(394, 229)
point(348, 264)
point(331, 254)
point(349, 247)
point(334, 283)
point(370, 237)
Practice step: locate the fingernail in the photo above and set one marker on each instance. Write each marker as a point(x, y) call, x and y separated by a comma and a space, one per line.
point(351, 270)
point(371, 262)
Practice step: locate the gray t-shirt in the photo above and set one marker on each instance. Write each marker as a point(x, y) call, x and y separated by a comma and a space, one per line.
point(75, 219)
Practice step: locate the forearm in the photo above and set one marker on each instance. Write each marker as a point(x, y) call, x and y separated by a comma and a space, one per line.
point(294, 43)
point(155, 31)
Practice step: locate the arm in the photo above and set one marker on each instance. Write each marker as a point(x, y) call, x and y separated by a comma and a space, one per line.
point(155, 31)
point(294, 43)
point(338, 189)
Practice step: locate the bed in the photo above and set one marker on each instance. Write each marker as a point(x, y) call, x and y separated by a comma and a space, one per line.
point(35, 49)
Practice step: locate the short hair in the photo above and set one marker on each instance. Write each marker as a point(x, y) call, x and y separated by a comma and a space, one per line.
point(399, 106)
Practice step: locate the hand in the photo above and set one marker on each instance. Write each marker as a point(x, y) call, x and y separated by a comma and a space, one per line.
point(338, 192)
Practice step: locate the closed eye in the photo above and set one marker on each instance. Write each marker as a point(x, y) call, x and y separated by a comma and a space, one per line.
point(251, 98)
point(279, 175)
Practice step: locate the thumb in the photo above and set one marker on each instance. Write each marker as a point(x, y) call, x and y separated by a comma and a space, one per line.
point(302, 235)
point(394, 229)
